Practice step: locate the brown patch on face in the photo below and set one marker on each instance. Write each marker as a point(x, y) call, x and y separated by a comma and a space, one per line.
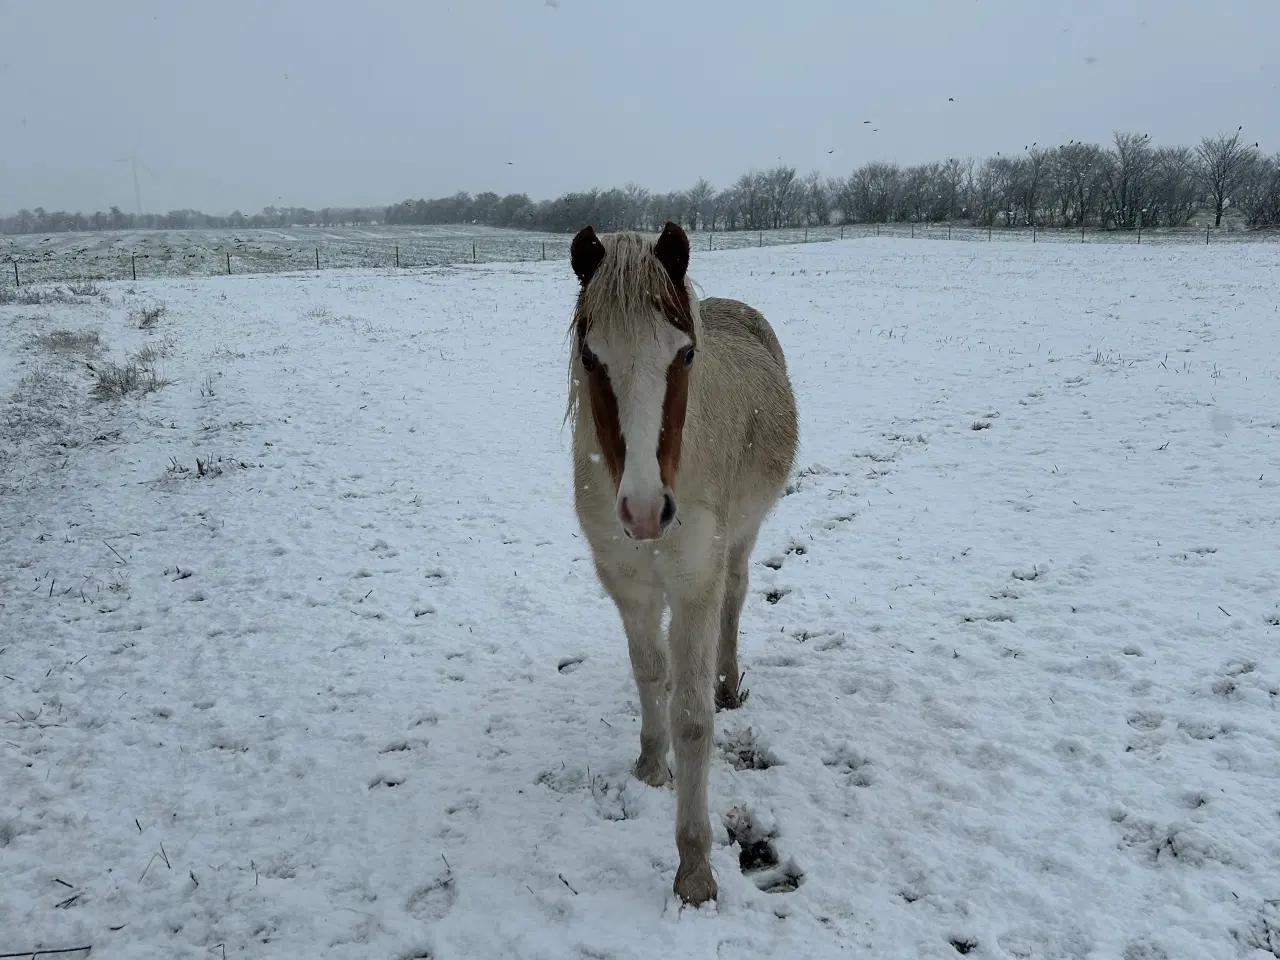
point(674, 406)
point(604, 410)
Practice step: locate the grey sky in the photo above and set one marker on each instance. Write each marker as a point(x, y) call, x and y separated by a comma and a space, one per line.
point(240, 104)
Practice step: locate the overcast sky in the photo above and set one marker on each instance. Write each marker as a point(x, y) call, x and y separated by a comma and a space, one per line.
point(241, 103)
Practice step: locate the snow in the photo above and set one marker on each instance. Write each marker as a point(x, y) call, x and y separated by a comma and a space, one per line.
point(355, 691)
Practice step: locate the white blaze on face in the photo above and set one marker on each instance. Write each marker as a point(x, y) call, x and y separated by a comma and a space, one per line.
point(637, 372)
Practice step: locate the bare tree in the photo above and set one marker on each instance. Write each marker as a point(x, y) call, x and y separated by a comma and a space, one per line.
point(698, 201)
point(1127, 178)
point(1173, 188)
point(753, 204)
point(785, 195)
point(1224, 162)
point(817, 200)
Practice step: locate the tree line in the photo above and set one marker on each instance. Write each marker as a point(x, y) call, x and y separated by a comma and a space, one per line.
point(1128, 184)
point(1125, 185)
point(59, 221)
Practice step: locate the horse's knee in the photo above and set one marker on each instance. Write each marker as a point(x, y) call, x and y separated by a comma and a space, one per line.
point(692, 730)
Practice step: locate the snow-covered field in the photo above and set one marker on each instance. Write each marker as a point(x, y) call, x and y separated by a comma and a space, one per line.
point(161, 254)
point(354, 691)
point(158, 254)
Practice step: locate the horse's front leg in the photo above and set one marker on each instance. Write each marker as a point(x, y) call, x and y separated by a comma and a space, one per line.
point(695, 622)
point(640, 605)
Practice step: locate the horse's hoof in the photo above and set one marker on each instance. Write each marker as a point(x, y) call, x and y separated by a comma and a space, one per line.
point(694, 883)
point(728, 698)
point(652, 770)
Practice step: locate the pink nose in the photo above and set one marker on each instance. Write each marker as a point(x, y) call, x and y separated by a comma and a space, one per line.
point(647, 519)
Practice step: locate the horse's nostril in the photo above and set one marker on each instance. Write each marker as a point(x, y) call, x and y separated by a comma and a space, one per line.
point(624, 512)
point(668, 510)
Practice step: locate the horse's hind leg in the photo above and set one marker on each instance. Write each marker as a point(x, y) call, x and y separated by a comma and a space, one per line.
point(728, 694)
point(640, 607)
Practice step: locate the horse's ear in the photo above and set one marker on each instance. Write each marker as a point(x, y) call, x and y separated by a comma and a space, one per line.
point(585, 254)
point(672, 251)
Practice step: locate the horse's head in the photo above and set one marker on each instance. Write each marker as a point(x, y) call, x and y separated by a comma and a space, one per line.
point(636, 336)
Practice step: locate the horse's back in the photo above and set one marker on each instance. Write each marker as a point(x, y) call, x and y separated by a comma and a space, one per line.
point(723, 318)
point(747, 431)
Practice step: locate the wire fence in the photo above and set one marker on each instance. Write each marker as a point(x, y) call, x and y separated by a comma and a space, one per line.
point(143, 255)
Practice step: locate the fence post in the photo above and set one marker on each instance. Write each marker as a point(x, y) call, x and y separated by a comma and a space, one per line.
point(228, 263)
point(877, 228)
point(948, 231)
point(317, 258)
point(988, 233)
point(1082, 233)
point(709, 236)
point(473, 252)
point(806, 234)
point(1033, 233)
point(913, 229)
point(1206, 234)
point(16, 281)
point(842, 231)
point(133, 263)
point(397, 255)
point(762, 238)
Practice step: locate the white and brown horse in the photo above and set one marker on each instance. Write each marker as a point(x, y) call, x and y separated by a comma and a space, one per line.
point(684, 434)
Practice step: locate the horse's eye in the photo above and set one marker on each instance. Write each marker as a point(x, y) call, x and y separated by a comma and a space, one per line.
point(688, 357)
point(589, 361)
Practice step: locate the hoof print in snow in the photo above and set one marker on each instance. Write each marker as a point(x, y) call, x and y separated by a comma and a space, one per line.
point(1204, 729)
point(784, 880)
point(385, 780)
point(416, 953)
point(564, 780)
point(834, 522)
point(745, 752)
point(851, 763)
point(1029, 576)
point(423, 610)
point(383, 551)
point(798, 549)
point(773, 563)
point(433, 901)
point(756, 851)
point(776, 594)
point(964, 945)
point(570, 664)
point(989, 618)
point(757, 855)
point(613, 802)
point(1144, 951)
point(1264, 932)
point(1146, 719)
point(396, 746)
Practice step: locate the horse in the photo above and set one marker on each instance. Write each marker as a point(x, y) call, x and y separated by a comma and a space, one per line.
point(684, 436)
